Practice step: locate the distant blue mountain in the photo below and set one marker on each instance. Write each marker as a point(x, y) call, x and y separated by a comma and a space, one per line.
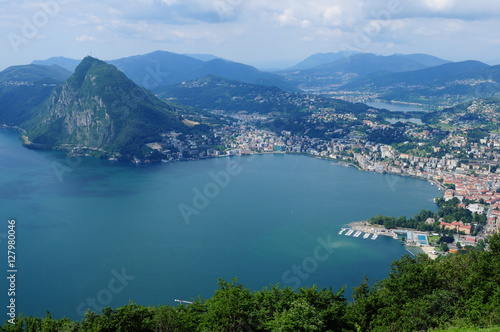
point(348, 69)
point(66, 63)
point(458, 81)
point(361, 59)
point(203, 57)
point(434, 75)
point(319, 59)
point(369, 64)
point(162, 68)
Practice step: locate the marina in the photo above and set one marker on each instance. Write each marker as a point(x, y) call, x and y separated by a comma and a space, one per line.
point(415, 241)
point(355, 232)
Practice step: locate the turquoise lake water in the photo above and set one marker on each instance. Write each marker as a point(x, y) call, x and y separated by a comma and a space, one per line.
point(93, 233)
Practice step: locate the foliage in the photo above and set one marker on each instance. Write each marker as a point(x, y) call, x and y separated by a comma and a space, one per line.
point(387, 136)
point(448, 210)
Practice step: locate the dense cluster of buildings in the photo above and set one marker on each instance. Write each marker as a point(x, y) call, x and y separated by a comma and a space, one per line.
point(475, 184)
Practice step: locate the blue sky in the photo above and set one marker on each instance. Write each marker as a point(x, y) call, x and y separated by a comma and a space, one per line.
point(258, 32)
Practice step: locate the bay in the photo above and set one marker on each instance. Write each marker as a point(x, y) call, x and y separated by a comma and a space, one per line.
point(93, 233)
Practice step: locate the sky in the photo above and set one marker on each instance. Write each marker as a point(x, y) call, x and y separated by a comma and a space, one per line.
point(264, 33)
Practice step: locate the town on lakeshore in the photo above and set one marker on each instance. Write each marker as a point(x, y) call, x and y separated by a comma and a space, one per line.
point(463, 166)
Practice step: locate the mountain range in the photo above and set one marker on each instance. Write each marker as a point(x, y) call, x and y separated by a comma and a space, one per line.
point(358, 60)
point(394, 77)
point(101, 110)
point(161, 68)
point(436, 75)
point(448, 83)
point(348, 69)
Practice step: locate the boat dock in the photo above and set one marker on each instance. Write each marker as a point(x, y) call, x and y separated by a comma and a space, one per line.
point(356, 232)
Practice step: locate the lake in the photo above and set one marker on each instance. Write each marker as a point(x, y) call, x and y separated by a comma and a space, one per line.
point(396, 107)
point(93, 233)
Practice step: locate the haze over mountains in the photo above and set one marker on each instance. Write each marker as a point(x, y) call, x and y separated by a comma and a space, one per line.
point(320, 72)
point(162, 68)
point(110, 109)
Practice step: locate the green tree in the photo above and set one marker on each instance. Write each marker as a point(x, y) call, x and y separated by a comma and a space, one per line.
point(301, 317)
point(389, 223)
point(229, 309)
point(444, 247)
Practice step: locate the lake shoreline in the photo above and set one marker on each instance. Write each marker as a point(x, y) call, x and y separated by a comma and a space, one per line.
point(366, 227)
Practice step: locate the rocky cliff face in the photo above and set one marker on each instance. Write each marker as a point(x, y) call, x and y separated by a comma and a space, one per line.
point(98, 108)
point(80, 120)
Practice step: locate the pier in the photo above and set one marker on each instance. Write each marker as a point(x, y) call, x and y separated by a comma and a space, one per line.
point(357, 231)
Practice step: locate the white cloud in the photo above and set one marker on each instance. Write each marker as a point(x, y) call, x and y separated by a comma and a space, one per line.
point(245, 28)
point(287, 18)
point(169, 2)
point(439, 5)
point(333, 16)
point(85, 38)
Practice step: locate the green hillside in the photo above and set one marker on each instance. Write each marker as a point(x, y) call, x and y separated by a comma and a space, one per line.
point(99, 109)
point(33, 73)
point(24, 88)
